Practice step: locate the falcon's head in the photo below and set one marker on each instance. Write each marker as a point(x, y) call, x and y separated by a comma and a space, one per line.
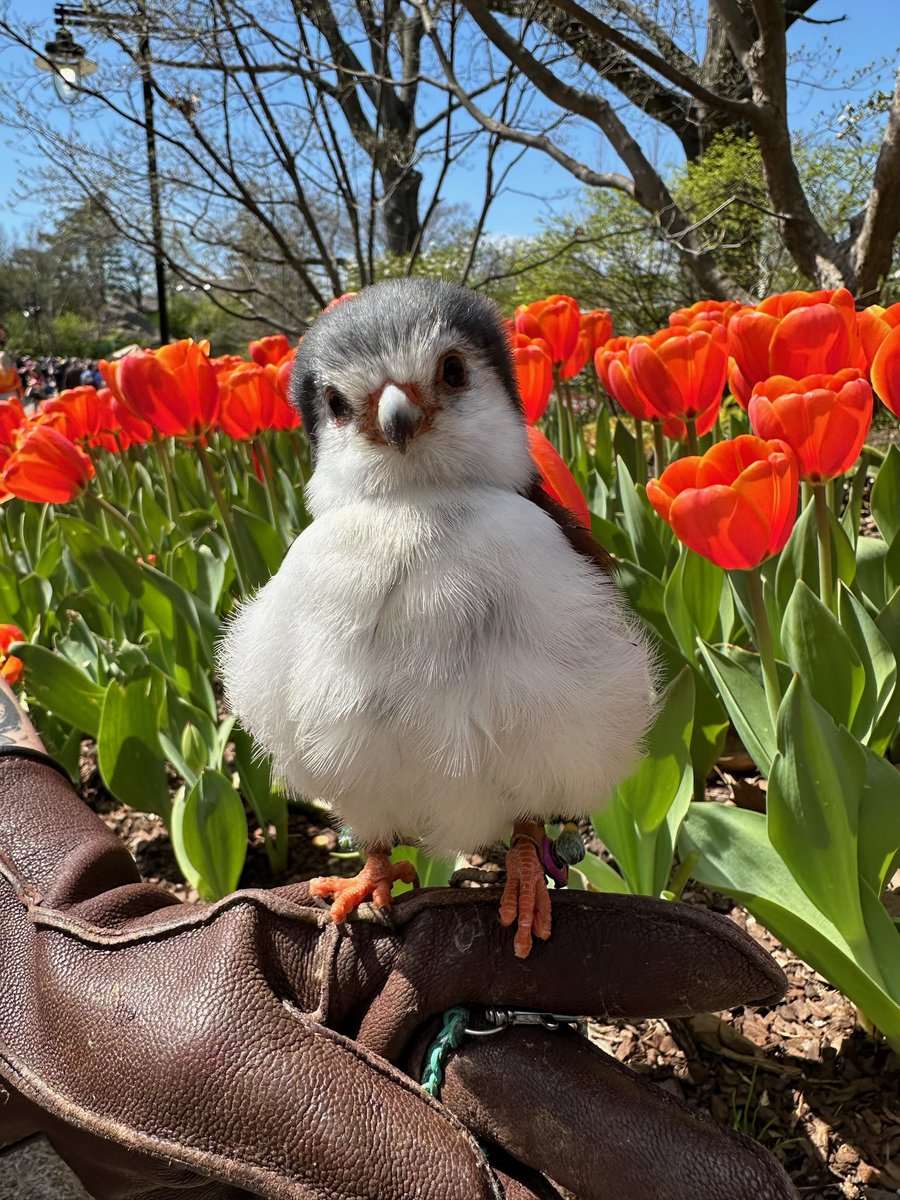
point(410, 383)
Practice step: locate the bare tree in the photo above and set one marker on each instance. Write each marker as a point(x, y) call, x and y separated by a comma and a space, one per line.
point(293, 141)
point(585, 60)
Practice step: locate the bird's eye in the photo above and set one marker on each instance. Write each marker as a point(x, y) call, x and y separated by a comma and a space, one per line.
point(338, 406)
point(453, 371)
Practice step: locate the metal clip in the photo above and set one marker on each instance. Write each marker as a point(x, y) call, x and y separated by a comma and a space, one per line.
point(503, 1018)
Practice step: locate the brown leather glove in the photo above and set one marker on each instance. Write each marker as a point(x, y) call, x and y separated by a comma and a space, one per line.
point(253, 1047)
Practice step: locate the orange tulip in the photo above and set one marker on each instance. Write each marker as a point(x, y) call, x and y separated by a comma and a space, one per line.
point(534, 375)
point(718, 311)
point(614, 372)
point(247, 401)
point(173, 388)
point(47, 467)
point(681, 371)
point(736, 504)
point(556, 320)
point(270, 349)
point(794, 334)
point(875, 323)
point(823, 418)
point(556, 478)
point(10, 667)
point(886, 371)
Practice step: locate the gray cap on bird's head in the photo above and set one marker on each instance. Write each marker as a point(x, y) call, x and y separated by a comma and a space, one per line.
point(382, 323)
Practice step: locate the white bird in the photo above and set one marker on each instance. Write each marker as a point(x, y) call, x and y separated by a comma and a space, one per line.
point(442, 654)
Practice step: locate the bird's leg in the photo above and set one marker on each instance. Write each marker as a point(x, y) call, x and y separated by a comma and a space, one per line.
point(374, 881)
point(525, 895)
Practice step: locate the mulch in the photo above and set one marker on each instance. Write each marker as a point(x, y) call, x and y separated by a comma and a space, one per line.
point(802, 1078)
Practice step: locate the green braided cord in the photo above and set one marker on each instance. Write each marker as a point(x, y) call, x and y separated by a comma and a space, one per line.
point(450, 1038)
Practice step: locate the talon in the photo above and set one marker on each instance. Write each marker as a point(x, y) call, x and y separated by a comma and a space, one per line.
point(525, 897)
point(374, 882)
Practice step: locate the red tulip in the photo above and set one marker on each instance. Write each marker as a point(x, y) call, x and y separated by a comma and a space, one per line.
point(614, 372)
point(10, 666)
point(794, 334)
point(81, 411)
point(12, 417)
point(130, 428)
point(823, 418)
point(173, 388)
point(682, 371)
point(556, 478)
point(285, 416)
point(580, 356)
point(534, 375)
point(270, 349)
point(718, 311)
point(47, 467)
point(886, 371)
point(223, 363)
point(556, 320)
point(342, 299)
point(10, 383)
point(247, 401)
point(735, 505)
point(875, 323)
point(598, 325)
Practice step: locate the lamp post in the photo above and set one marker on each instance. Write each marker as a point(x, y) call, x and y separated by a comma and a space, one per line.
point(69, 64)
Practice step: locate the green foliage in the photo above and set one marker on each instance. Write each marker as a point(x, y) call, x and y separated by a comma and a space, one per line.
point(122, 650)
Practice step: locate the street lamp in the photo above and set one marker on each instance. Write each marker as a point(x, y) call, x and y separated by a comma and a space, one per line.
point(69, 64)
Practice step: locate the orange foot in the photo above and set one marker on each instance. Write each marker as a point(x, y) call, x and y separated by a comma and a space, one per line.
point(375, 880)
point(525, 895)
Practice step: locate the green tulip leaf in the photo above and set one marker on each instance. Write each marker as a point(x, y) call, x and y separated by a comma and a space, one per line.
point(642, 525)
point(813, 799)
point(209, 835)
point(817, 648)
point(871, 572)
point(885, 499)
point(633, 825)
point(131, 761)
point(61, 687)
point(599, 875)
point(734, 855)
point(879, 705)
point(432, 872)
point(745, 699)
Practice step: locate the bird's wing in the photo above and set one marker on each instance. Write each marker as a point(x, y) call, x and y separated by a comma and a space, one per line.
point(580, 539)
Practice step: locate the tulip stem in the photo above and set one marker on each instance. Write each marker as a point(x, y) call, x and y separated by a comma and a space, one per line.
point(119, 517)
point(692, 442)
point(659, 447)
point(228, 524)
point(764, 643)
point(162, 456)
point(564, 447)
point(823, 530)
point(640, 457)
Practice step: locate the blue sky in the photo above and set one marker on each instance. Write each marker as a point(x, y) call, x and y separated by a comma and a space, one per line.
point(537, 186)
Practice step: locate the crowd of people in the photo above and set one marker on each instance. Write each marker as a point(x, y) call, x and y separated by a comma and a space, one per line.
point(34, 378)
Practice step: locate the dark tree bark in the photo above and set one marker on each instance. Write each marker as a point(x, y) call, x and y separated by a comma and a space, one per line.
point(739, 84)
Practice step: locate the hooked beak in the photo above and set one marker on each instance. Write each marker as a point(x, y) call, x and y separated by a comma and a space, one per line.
point(398, 416)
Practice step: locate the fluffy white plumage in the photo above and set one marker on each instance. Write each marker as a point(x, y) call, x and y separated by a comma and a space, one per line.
point(433, 658)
